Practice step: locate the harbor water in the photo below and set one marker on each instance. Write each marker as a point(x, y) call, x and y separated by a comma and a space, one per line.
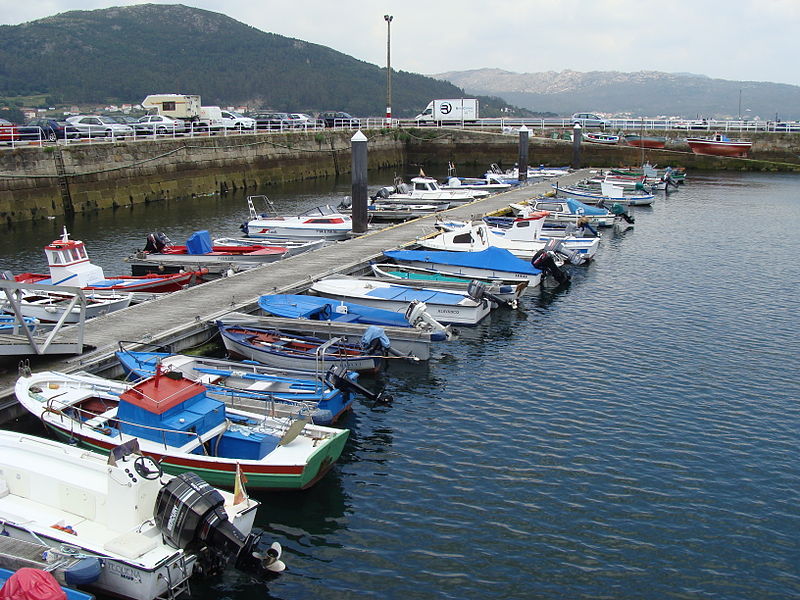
point(632, 435)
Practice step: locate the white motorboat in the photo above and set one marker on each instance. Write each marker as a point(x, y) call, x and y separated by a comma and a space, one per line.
point(426, 189)
point(322, 222)
point(606, 194)
point(50, 307)
point(143, 533)
point(523, 238)
point(445, 306)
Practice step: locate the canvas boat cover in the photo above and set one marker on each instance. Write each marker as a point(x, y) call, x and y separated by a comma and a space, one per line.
point(493, 259)
point(578, 207)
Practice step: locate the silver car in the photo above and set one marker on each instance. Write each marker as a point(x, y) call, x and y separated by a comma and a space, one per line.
point(159, 124)
point(97, 126)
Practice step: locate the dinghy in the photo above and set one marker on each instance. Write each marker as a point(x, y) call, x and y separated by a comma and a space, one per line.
point(177, 424)
point(286, 350)
point(50, 307)
point(444, 306)
point(141, 534)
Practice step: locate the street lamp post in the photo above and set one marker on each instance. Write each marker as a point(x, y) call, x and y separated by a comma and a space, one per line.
point(388, 19)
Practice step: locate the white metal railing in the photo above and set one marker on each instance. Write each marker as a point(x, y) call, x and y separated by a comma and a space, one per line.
point(503, 125)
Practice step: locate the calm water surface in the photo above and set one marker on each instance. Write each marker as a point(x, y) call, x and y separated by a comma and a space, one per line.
point(631, 436)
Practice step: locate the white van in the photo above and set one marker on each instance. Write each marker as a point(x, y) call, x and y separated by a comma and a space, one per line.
point(211, 116)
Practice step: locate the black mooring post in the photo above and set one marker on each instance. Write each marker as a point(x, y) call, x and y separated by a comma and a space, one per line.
point(358, 145)
point(522, 161)
point(576, 146)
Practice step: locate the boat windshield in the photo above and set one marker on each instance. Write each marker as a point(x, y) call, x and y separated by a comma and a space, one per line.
point(325, 210)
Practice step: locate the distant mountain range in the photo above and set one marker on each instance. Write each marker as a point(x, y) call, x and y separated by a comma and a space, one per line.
point(120, 55)
point(645, 93)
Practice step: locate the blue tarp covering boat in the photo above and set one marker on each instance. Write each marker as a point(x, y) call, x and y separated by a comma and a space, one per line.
point(299, 306)
point(494, 259)
point(579, 208)
point(199, 243)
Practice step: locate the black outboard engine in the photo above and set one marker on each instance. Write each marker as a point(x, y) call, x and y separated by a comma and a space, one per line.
point(548, 261)
point(190, 515)
point(156, 242)
point(383, 193)
point(620, 211)
point(477, 291)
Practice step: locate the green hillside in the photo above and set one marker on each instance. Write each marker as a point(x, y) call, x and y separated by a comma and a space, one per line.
point(121, 55)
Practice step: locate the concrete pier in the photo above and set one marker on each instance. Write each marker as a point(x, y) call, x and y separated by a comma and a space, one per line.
point(185, 319)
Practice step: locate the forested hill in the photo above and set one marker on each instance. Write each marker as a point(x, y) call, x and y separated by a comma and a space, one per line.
point(123, 54)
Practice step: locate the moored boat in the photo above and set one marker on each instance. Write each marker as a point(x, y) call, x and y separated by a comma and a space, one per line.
point(142, 534)
point(720, 145)
point(321, 222)
point(324, 396)
point(69, 265)
point(286, 350)
point(52, 307)
point(178, 425)
point(645, 141)
point(444, 306)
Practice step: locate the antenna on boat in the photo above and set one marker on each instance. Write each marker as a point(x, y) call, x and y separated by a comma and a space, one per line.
point(65, 235)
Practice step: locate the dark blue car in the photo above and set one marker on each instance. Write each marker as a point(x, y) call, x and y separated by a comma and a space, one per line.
point(47, 129)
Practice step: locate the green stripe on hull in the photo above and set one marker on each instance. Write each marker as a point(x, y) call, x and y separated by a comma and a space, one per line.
point(318, 464)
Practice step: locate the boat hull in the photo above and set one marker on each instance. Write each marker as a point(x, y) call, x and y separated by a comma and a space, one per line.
point(655, 142)
point(719, 148)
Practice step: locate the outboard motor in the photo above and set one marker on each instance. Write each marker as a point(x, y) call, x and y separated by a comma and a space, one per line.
point(547, 261)
point(337, 377)
point(190, 515)
point(618, 210)
point(383, 193)
point(477, 291)
point(156, 242)
point(418, 316)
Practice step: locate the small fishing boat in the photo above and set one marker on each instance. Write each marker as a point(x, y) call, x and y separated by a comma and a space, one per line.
point(443, 305)
point(498, 293)
point(563, 211)
point(720, 145)
point(491, 264)
point(178, 425)
point(318, 223)
point(69, 265)
point(160, 255)
point(285, 350)
point(475, 183)
point(325, 396)
point(645, 141)
point(52, 307)
point(293, 247)
point(19, 583)
point(141, 534)
point(607, 193)
point(599, 138)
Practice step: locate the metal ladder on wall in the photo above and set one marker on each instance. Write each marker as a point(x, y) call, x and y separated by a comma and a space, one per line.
point(63, 182)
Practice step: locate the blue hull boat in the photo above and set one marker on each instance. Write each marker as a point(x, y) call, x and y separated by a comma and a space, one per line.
point(323, 396)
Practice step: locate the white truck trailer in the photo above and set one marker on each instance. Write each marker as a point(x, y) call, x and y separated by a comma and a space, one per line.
point(454, 110)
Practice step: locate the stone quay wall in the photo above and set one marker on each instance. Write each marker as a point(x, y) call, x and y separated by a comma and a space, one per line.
point(37, 183)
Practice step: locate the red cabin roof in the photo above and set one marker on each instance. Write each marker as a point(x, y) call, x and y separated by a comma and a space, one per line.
point(161, 392)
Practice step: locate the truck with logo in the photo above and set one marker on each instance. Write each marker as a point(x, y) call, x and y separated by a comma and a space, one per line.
point(454, 110)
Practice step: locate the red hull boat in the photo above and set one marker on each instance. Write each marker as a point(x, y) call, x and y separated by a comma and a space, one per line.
point(719, 145)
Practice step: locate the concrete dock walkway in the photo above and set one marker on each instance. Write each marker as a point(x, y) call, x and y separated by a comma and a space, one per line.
point(182, 318)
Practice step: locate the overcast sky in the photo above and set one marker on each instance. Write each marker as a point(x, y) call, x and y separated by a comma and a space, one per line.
point(748, 40)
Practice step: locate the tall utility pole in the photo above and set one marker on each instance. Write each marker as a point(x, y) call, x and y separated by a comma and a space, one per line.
point(388, 19)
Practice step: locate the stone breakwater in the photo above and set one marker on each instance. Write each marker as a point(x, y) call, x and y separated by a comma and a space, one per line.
point(37, 183)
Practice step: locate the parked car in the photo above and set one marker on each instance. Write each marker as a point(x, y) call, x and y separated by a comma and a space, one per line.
point(334, 118)
point(47, 129)
point(272, 120)
point(232, 120)
point(97, 126)
point(159, 124)
point(589, 120)
point(303, 121)
point(8, 132)
point(787, 126)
